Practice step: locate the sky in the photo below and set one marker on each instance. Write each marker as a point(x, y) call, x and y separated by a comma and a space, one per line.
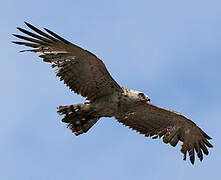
point(169, 50)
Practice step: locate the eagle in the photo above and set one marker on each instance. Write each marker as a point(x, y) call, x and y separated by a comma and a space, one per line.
point(86, 74)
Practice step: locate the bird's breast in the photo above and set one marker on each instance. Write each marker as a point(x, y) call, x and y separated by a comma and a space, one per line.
point(107, 106)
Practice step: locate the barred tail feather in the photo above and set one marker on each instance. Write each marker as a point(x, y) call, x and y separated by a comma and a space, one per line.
point(78, 121)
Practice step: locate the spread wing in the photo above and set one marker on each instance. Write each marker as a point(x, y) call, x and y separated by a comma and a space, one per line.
point(155, 121)
point(81, 71)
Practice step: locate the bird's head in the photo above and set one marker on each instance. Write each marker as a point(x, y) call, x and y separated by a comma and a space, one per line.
point(138, 96)
point(143, 97)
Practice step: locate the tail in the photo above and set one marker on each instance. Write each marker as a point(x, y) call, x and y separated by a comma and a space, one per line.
point(77, 117)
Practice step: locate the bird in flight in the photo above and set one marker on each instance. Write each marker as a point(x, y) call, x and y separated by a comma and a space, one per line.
point(86, 74)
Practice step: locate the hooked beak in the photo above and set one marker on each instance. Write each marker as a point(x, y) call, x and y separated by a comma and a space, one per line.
point(146, 100)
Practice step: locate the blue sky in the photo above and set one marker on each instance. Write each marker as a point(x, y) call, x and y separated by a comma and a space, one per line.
point(168, 49)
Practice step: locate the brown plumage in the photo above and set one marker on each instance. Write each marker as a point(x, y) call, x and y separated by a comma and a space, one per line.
point(81, 71)
point(85, 74)
point(155, 121)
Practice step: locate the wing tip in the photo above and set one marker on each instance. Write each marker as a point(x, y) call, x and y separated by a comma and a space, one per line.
point(29, 25)
point(19, 28)
point(14, 35)
point(192, 161)
point(206, 136)
point(26, 22)
point(56, 35)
